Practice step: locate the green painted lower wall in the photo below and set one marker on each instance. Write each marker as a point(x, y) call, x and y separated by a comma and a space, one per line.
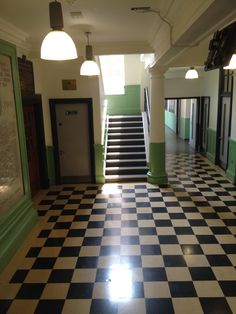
point(127, 104)
point(99, 163)
point(184, 128)
point(170, 120)
point(211, 145)
point(157, 164)
point(15, 224)
point(231, 170)
point(51, 165)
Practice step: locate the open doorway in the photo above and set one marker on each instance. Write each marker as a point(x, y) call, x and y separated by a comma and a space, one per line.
point(182, 118)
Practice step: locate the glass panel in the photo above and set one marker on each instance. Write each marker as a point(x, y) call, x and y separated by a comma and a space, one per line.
point(11, 184)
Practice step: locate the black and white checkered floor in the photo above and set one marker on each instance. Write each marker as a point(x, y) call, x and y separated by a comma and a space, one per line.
point(131, 248)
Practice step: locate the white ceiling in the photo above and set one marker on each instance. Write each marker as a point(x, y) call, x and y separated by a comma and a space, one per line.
point(114, 26)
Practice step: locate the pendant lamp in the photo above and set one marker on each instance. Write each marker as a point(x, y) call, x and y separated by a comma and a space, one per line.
point(191, 74)
point(57, 45)
point(232, 63)
point(89, 66)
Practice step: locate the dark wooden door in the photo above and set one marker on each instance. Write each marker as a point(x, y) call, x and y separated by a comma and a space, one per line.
point(203, 123)
point(32, 147)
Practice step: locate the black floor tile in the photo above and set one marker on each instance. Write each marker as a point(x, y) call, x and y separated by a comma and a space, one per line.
point(80, 291)
point(159, 306)
point(182, 289)
point(103, 306)
point(154, 274)
point(50, 306)
point(61, 275)
point(202, 273)
point(215, 305)
point(19, 276)
point(30, 291)
point(174, 261)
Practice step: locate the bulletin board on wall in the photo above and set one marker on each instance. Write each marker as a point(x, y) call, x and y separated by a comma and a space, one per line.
point(13, 162)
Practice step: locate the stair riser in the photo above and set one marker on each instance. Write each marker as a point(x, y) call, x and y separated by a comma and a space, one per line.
point(126, 171)
point(124, 136)
point(133, 157)
point(125, 130)
point(125, 149)
point(125, 125)
point(124, 119)
point(132, 163)
point(125, 143)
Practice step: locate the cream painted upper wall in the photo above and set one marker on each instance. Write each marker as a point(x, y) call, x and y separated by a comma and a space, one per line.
point(179, 87)
point(48, 82)
point(132, 69)
point(210, 88)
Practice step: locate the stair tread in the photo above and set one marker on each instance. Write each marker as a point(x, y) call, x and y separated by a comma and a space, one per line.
point(124, 153)
point(124, 146)
point(123, 176)
point(126, 168)
point(124, 160)
point(124, 139)
point(128, 121)
point(120, 133)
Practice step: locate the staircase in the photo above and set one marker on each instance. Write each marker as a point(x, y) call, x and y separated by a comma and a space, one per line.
point(125, 155)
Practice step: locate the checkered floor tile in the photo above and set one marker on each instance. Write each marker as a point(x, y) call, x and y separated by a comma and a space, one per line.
point(132, 248)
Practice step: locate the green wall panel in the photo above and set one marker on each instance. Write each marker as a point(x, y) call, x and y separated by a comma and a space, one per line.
point(17, 220)
point(157, 164)
point(99, 163)
point(170, 120)
point(14, 226)
point(127, 104)
point(51, 165)
point(231, 170)
point(184, 128)
point(211, 145)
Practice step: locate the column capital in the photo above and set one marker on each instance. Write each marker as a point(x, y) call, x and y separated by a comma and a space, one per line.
point(158, 70)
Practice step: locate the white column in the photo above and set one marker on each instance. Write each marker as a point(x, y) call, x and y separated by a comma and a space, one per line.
point(157, 170)
point(157, 127)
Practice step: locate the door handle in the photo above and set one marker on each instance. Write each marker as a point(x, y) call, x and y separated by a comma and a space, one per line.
point(61, 152)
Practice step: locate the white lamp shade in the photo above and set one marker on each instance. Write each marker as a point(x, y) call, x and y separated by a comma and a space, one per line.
point(89, 68)
point(191, 74)
point(232, 63)
point(58, 45)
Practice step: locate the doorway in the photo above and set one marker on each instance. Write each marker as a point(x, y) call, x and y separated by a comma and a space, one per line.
point(72, 128)
point(204, 111)
point(224, 117)
point(225, 108)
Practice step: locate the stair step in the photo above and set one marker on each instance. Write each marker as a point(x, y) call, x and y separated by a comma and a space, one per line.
point(125, 177)
point(126, 148)
point(126, 170)
point(125, 142)
point(125, 130)
point(125, 118)
point(125, 160)
point(118, 163)
point(125, 136)
point(125, 124)
point(126, 156)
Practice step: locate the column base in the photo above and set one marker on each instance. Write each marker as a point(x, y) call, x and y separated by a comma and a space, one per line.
point(157, 165)
point(159, 180)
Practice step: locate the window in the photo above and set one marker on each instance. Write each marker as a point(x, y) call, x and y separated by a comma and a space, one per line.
point(113, 74)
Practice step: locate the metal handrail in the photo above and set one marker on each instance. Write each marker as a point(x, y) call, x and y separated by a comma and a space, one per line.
point(147, 106)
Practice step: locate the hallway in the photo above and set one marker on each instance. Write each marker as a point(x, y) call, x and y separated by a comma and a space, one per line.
point(176, 145)
point(130, 248)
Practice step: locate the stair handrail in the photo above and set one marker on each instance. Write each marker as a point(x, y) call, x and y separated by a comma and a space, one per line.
point(147, 106)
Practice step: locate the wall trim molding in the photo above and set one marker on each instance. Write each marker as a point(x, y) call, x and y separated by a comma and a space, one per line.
point(16, 36)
